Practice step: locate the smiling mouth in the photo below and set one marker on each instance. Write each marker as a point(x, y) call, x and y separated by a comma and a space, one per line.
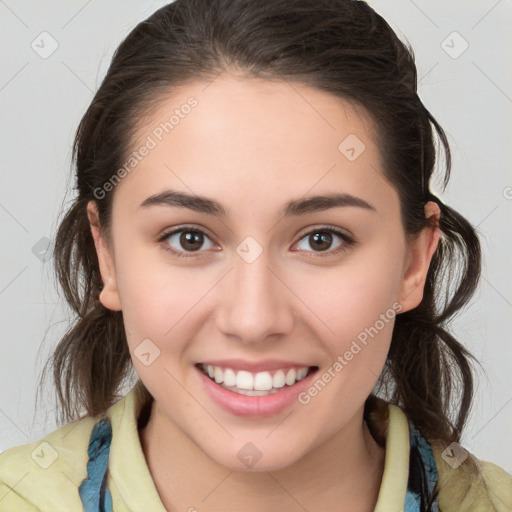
point(256, 384)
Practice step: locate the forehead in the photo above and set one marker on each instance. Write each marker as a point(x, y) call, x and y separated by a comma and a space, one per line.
point(256, 137)
point(258, 109)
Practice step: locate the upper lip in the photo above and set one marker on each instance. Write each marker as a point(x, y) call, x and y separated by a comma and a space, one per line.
point(255, 366)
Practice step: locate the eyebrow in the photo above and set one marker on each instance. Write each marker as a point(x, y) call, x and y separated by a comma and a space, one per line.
point(301, 206)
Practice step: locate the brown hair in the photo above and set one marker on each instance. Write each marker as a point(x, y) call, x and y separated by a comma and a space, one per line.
point(342, 47)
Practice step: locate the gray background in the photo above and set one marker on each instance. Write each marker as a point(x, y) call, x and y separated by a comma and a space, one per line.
point(43, 99)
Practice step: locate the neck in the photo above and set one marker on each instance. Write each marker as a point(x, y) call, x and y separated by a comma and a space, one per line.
point(343, 473)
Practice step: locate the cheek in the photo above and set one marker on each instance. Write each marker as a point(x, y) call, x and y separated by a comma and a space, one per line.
point(156, 297)
point(358, 301)
point(159, 319)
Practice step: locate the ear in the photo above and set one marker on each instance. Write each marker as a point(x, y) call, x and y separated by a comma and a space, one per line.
point(419, 256)
point(109, 295)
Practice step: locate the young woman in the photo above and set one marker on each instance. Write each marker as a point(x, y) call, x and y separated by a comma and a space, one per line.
point(254, 233)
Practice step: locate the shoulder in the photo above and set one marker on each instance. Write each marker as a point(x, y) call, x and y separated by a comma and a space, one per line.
point(469, 484)
point(465, 483)
point(45, 474)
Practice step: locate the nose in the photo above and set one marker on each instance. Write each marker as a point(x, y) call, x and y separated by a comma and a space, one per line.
point(255, 303)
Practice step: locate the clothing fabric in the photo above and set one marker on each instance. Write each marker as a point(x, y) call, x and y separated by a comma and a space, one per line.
point(96, 497)
point(97, 464)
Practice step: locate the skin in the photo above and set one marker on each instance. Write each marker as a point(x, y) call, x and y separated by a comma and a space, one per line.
point(244, 140)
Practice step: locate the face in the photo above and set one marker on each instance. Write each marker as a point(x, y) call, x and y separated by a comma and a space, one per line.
point(255, 275)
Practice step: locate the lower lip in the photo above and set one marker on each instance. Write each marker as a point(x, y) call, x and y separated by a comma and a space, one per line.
point(260, 406)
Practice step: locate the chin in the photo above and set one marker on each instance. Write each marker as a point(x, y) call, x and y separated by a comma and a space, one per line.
point(254, 457)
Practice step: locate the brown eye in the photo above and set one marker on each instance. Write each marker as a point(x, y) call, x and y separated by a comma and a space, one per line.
point(191, 240)
point(322, 240)
point(186, 240)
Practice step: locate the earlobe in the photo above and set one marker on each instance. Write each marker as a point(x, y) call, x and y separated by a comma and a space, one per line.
point(420, 253)
point(109, 295)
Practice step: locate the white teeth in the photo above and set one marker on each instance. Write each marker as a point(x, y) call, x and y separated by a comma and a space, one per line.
point(302, 373)
point(290, 377)
point(219, 375)
point(261, 381)
point(229, 377)
point(278, 381)
point(244, 380)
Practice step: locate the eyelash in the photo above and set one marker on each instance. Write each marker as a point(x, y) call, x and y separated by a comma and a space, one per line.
point(348, 242)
